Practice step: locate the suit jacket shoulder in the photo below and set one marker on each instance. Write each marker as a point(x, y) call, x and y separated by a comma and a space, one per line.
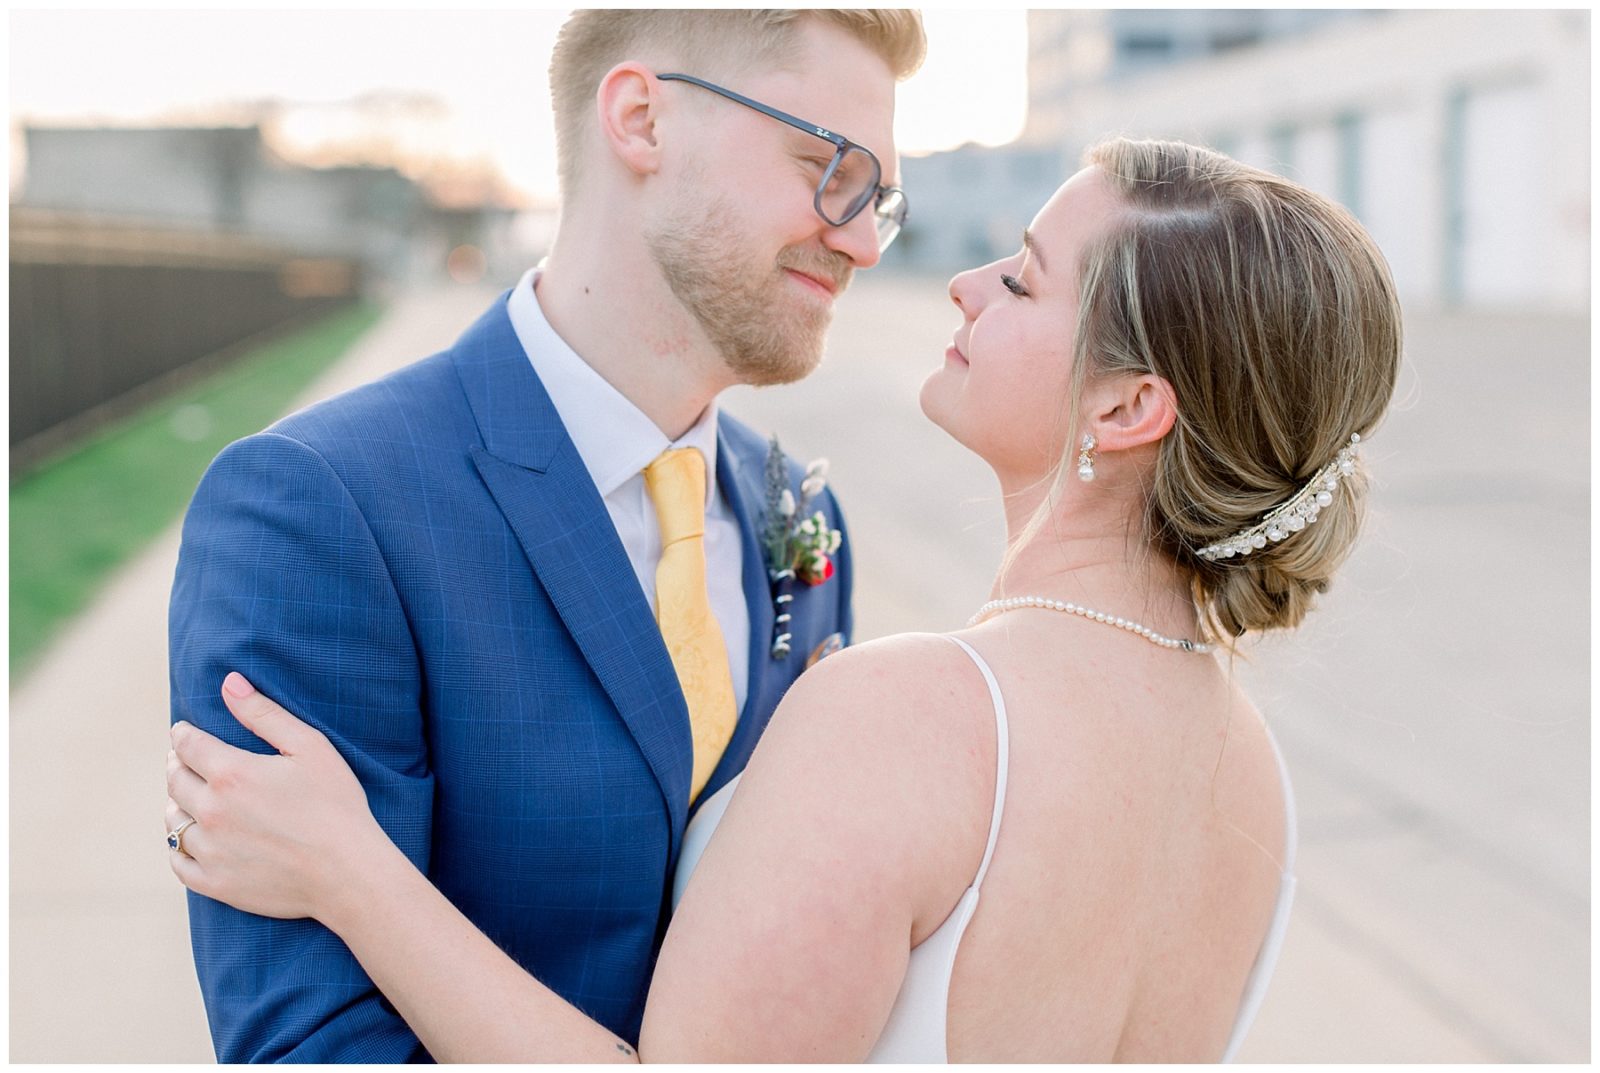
point(386, 420)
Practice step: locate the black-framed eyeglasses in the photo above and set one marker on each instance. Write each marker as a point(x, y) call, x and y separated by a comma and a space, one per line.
point(850, 182)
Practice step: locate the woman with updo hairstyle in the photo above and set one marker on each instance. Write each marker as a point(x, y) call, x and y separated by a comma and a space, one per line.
point(1273, 316)
point(1172, 379)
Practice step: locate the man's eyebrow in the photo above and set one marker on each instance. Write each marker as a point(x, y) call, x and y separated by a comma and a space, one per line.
point(1033, 246)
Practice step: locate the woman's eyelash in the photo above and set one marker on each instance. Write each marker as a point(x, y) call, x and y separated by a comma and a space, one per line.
point(1014, 285)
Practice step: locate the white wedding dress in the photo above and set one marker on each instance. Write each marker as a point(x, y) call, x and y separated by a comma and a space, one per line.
point(915, 1031)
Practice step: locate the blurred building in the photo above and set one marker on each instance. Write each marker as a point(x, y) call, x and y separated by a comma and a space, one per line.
point(229, 180)
point(1460, 138)
point(969, 205)
point(1069, 51)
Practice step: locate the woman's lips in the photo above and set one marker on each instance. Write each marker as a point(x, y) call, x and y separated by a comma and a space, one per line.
point(954, 356)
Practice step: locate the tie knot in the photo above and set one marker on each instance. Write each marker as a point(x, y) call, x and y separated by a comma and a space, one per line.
point(676, 481)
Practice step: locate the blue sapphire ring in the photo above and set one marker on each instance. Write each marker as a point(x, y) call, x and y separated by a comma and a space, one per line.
point(175, 836)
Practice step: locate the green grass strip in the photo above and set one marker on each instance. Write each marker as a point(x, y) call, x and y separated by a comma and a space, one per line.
point(74, 520)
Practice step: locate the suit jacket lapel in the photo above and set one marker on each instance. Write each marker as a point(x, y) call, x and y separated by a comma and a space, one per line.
point(539, 482)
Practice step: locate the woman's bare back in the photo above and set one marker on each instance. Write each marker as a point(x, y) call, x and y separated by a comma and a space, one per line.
point(1139, 860)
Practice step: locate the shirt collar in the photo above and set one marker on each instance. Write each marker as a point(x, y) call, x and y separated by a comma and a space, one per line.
point(614, 438)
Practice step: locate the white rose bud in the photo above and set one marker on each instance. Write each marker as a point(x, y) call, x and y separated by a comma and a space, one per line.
point(786, 504)
point(811, 486)
point(833, 545)
point(818, 468)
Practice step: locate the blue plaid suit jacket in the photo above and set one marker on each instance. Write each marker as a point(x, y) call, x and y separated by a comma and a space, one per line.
point(424, 570)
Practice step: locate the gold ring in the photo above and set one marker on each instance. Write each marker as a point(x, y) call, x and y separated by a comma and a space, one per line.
point(175, 836)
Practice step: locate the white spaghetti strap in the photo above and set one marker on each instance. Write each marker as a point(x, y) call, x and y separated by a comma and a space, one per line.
point(1291, 821)
point(1002, 755)
point(1255, 989)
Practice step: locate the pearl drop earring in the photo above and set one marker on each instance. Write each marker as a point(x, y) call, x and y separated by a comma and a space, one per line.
point(1085, 462)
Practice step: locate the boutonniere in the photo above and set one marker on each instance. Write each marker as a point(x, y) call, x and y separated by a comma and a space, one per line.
point(797, 546)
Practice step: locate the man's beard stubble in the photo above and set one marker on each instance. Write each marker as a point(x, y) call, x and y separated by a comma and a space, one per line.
point(764, 332)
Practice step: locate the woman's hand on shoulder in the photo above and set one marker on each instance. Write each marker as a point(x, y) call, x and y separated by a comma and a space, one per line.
point(280, 835)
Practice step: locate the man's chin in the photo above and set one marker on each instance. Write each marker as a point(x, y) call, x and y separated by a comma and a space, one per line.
point(768, 367)
point(773, 373)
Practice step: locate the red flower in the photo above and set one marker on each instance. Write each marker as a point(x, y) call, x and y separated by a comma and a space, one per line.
point(809, 573)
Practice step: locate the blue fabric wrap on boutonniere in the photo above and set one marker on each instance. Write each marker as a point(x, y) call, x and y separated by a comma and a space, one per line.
point(798, 547)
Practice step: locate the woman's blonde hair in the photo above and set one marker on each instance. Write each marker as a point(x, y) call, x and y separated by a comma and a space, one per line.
point(1273, 316)
point(710, 44)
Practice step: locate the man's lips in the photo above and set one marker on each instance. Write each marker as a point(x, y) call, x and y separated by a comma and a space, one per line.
point(821, 282)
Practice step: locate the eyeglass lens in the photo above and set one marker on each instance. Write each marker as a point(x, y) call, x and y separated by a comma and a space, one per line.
point(889, 215)
point(852, 185)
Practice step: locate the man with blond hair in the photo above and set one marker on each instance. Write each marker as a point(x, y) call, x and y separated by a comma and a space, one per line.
point(522, 584)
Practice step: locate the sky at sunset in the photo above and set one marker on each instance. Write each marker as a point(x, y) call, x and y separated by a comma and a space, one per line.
point(465, 86)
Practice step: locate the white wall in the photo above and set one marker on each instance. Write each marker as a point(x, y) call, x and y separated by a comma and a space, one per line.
point(1505, 224)
point(1523, 148)
point(1395, 205)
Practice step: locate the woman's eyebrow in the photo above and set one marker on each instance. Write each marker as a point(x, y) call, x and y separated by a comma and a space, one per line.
point(1033, 247)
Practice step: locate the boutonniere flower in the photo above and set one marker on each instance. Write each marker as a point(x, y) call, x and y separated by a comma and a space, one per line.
point(797, 546)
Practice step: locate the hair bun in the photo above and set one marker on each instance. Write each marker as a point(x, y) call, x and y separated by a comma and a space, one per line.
point(1276, 586)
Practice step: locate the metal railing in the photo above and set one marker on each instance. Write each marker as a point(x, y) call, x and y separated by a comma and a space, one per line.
point(105, 315)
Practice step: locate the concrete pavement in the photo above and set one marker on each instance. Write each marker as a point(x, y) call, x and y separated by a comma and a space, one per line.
point(1433, 712)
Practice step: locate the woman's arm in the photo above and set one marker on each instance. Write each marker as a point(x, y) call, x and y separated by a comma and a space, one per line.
point(462, 995)
point(848, 840)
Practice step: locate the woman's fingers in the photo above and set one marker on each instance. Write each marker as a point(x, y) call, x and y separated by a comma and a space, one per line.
point(267, 719)
point(186, 789)
point(175, 815)
point(205, 754)
point(270, 830)
point(190, 872)
point(194, 843)
point(185, 863)
point(211, 758)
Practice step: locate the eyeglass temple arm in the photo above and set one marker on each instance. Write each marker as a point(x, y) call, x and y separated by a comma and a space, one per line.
point(839, 140)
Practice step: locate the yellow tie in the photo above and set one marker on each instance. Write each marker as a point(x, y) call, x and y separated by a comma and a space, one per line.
point(676, 482)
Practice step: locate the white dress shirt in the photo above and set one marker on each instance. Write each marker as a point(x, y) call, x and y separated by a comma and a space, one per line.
point(616, 442)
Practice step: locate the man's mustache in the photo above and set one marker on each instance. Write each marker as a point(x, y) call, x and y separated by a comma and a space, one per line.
point(822, 264)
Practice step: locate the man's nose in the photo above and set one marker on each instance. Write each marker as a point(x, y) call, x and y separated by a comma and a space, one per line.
point(857, 240)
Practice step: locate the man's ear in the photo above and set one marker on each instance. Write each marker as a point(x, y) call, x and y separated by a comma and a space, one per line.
point(626, 103)
point(1130, 411)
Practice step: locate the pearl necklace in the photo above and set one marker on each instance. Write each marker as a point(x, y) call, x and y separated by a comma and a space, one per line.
point(1015, 602)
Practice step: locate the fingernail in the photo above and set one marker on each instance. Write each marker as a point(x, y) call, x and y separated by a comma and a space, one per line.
point(237, 684)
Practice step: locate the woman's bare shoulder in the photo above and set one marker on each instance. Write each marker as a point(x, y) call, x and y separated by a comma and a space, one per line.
point(890, 694)
point(904, 728)
point(1253, 781)
point(908, 661)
